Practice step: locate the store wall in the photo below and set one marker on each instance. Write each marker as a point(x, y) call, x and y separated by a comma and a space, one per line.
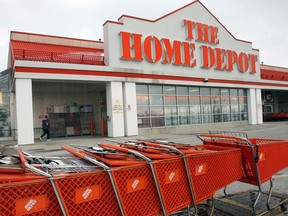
point(58, 94)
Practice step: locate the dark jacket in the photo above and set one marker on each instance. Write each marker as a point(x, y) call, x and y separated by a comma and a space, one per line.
point(45, 124)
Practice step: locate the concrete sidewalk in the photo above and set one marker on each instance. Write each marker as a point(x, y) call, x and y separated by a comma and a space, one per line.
point(275, 130)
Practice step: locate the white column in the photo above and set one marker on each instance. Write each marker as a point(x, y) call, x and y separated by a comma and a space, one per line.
point(114, 98)
point(259, 106)
point(252, 106)
point(24, 111)
point(130, 109)
point(255, 112)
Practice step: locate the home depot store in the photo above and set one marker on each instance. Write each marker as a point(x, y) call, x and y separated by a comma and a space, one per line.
point(184, 68)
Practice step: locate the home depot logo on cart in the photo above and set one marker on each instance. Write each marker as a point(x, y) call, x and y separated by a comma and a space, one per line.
point(200, 169)
point(262, 156)
point(31, 205)
point(172, 176)
point(136, 184)
point(136, 47)
point(88, 193)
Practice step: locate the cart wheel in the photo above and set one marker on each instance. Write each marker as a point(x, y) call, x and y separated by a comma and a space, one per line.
point(283, 207)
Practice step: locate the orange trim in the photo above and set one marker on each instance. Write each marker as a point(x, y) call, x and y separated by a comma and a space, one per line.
point(135, 75)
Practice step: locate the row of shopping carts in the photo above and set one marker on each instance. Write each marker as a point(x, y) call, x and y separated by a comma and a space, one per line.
point(139, 177)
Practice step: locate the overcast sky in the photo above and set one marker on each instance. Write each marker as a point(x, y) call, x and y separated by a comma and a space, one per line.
point(263, 22)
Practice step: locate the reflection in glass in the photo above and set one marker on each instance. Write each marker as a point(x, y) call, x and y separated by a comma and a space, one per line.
point(141, 89)
point(170, 100)
point(156, 100)
point(155, 89)
point(194, 91)
point(195, 119)
point(170, 110)
point(143, 111)
point(172, 120)
point(142, 99)
point(157, 122)
point(184, 120)
point(183, 100)
point(194, 99)
point(157, 111)
point(143, 122)
point(182, 90)
point(169, 90)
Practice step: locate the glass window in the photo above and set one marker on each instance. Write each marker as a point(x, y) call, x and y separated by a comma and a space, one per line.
point(143, 111)
point(170, 110)
point(205, 100)
point(233, 92)
point(184, 110)
point(233, 100)
point(244, 108)
point(169, 90)
point(224, 91)
point(195, 119)
point(215, 91)
point(194, 91)
point(157, 122)
point(172, 120)
point(184, 120)
point(206, 118)
point(156, 100)
point(194, 99)
point(143, 122)
point(155, 89)
point(242, 92)
point(183, 100)
point(170, 100)
point(204, 91)
point(195, 110)
point(242, 100)
point(189, 105)
point(206, 109)
point(157, 111)
point(142, 99)
point(216, 99)
point(141, 89)
point(182, 90)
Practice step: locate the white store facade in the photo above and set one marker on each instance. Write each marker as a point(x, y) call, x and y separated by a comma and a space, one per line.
point(181, 70)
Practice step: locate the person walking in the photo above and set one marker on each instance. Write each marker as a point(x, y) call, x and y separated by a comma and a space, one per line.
point(45, 128)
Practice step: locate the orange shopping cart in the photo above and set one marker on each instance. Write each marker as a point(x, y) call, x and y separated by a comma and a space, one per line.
point(28, 192)
point(175, 190)
point(262, 158)
point(130, 176)
point(210, 167)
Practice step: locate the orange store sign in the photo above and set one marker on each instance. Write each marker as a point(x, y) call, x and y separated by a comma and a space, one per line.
point(135, 47)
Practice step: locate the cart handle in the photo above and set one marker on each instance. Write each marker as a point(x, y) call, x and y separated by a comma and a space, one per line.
point(247, 141)
point(116, 147)
point(200, 136)
point(165, 146)
point(25, 164)
point(86, 157)
point(126, 150)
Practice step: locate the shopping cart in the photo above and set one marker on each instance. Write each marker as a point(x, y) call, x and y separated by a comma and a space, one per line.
point(210, 167)
point(76, 186)
point(27, 194)
point(173, 185)
point(262, 158)
point(132, 179)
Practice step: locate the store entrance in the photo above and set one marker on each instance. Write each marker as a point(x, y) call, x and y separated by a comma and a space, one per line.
point(275, 105)
point(73, 109)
